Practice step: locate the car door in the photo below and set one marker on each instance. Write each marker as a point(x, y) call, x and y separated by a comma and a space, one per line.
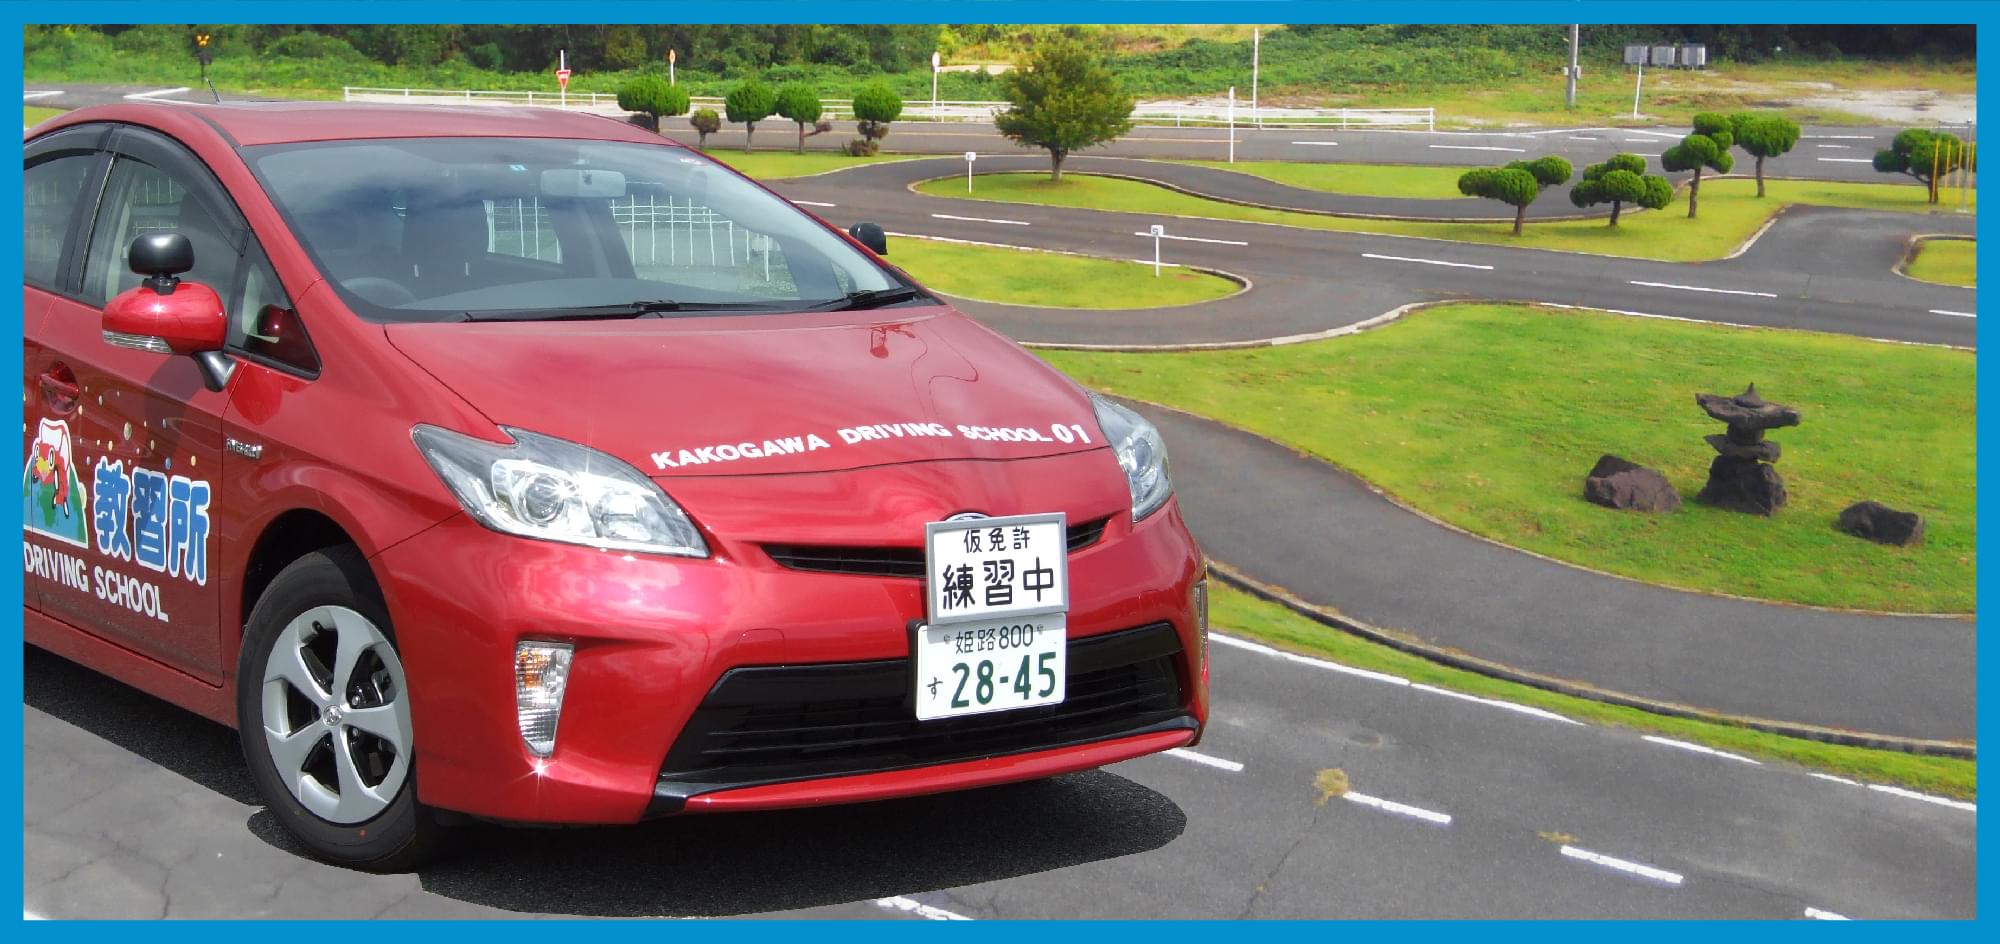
point(145, 435)
point(60, 175)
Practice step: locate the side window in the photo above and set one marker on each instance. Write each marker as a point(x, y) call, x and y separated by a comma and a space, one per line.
point(263, 322)
point(52, 190)
point(139, 199)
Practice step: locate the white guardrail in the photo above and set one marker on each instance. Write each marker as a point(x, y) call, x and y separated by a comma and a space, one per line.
point(1177, 114)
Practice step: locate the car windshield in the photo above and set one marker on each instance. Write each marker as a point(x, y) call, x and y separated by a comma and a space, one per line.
point(449, 229)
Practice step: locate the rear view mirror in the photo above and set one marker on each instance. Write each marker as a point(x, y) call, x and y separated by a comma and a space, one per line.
point(871, 235)
point(568, 182)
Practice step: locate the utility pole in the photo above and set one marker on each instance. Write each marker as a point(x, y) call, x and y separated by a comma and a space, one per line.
point(1256, 54)
point(1569, 94)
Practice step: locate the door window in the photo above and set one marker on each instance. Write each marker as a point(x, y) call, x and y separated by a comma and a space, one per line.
point(52, 189)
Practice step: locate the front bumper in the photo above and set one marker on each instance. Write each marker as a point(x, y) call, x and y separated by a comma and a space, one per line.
point(653, 636)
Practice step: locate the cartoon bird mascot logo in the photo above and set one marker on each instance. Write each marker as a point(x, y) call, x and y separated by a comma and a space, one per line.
point(52, 495)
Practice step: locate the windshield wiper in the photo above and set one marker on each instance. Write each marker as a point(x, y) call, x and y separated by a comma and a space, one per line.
point(581, 312)
point(869, 298)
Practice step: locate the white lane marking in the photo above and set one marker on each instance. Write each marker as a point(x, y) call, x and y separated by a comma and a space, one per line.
point(918, 908)
point(1577, 137)
point(977, 219)
point(1529, 710)
point(1925, 797)
point(1437, 262)
point(1841, 147)
point(1701, 749)
point(1821, 776)
point(40, 93)
point(1845, 160)
point(1635, 140)
point(1697, 288)
point(1400, 809)
point(1622, 865)
point(1954, 314)
point(1205, 760)
point(1838, 137)
point(1657, 134)
point(1264, 650)
point(1319, 143)
point(1821, 915)
point(1475, 147)
point(149, 96)
point(1197, 239)
point(813, 203)
point(1643, 153)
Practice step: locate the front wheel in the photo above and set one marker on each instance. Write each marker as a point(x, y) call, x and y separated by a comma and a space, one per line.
point(323, 710)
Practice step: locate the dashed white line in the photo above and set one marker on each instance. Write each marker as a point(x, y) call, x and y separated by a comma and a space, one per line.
point(1925, 797)
point(1578, 137)
point(1622, 865)
point(1528, 710)
point(1697, 288)
point(918, 908)
point(40, 93)
point(1400, 809)
point(977, 219)
point(1436, 262)
point(1845, 160)
point(1205, 760)
point(1635, 140)
point(1197, 239)
point(1319, 143)
point(149, 96)
point(813, 203)
point(1701, 749)
point(1954, 314)
point(1838, 137)
point(1657, 134)
point(1818, 914)
point(1841, 147)
point(1842, 780)
point(1264, 650)
point(1476, 147)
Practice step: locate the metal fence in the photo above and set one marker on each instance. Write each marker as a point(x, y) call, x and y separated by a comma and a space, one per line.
point(1155, 114)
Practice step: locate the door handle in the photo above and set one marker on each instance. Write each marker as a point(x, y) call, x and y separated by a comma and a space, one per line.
point(59, 389)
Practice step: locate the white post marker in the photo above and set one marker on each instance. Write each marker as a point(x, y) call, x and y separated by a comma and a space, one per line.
point(1256, 53)
point(937, 62)
point(1232, 124)
point(1157, 232)
point(562, 75)
point(970, 156)
point(1636, 86)
point(670, 67)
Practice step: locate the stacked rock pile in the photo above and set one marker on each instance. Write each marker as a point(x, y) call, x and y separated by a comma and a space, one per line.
point(1742, 477)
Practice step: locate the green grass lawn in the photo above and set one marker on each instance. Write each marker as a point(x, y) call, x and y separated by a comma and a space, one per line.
point(1730, 213)
point(32, 115)
point(1374, 180)
point(1020, 277)
point(1944, 261)
point(775, 165)
point(1488, 417)
point(1232, 611)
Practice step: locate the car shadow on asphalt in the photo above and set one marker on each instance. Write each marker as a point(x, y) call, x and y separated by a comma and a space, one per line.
point(695, 866)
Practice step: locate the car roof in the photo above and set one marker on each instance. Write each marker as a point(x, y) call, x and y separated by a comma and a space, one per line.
point(247, 124)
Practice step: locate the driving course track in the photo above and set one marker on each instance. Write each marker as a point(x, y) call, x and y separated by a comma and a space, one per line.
point(1452, 806)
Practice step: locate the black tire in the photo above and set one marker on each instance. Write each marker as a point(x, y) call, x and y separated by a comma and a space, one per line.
point(403, 835)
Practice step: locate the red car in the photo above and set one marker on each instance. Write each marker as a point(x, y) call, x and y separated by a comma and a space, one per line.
point(526, 466)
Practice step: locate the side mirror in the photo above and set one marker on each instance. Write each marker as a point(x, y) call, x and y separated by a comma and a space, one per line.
point(871, 235)
point(165, 315)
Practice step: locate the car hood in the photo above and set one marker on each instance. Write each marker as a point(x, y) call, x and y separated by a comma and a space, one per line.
point(763, 394)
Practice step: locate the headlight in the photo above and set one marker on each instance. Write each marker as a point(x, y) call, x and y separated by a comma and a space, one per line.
point(1140, 453)
point(547, 488)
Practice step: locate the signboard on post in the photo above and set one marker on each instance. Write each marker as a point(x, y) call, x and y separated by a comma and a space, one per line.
point(562, 75)
point(1635, 55)
point(970, 156)
point(1157, 231)
point(670, 67)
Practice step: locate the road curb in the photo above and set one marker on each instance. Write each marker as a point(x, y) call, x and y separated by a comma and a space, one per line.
point(1333, 619)
point(1910, 247)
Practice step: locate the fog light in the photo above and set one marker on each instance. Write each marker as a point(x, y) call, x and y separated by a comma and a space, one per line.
point(1201, 620)
point(541, 672)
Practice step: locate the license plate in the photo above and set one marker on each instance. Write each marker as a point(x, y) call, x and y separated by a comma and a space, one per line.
point(975, 667)
point(997, 602)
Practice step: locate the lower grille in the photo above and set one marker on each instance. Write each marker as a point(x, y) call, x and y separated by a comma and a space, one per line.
point(892, 561)
point(780, 723)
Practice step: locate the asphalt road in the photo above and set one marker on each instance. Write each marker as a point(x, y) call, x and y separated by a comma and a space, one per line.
point(137, 809)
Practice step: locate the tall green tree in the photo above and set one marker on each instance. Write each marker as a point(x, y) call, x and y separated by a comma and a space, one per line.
point(747, 104)
point(1621, 180)
point(1708, 147)
point(1763, 136)
point(1925, 155)
point(1063, 99)
point(799, 102)
point(650, 95)
point(1517, 184)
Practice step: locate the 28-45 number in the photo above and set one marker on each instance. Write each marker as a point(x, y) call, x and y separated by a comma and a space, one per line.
point(1023, 681)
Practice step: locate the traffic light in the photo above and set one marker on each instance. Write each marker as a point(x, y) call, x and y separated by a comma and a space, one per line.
point(202, 54)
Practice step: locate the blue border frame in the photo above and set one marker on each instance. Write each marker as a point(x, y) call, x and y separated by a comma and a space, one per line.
point(15, 15)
